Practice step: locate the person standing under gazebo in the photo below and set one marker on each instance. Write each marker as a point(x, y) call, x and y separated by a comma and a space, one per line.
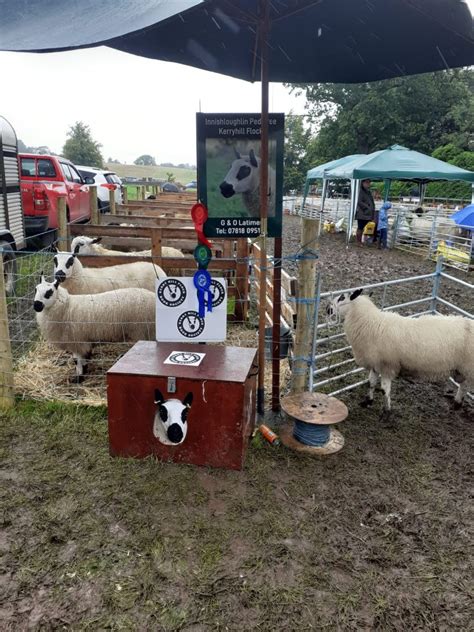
point(365, 211)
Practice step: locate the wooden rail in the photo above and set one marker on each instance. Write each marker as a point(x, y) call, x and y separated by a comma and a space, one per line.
point(288, 290)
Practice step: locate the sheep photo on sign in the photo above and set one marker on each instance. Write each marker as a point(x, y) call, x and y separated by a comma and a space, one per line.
point(229, 173)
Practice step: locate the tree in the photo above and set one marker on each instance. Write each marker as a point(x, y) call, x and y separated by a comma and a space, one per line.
point(297, 139)
point(146, 160)
point(26, 149)
point(81, 148)
point(170, 177)
point(421, 112)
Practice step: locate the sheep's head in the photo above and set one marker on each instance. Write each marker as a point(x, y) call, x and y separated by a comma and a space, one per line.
point(170, 425)
point(84, 245)
point(64, 263)
point(242, 176)
point(337, 308)
point(45, 295)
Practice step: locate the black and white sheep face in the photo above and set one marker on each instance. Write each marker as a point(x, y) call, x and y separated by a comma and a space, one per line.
point(337, 308)
point(63, 265)
point(242, 177)
point(84, 245)
point(45, 295)
point(170, 425)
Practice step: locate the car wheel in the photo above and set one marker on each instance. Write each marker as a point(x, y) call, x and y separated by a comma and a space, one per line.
point(9, 267)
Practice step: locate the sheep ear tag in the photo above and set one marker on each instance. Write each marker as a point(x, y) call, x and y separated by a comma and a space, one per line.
point(202, 282)
point(199, 216)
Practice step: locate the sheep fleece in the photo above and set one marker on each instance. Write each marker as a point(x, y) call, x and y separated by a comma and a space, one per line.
point(431, 347)
point(139, 274)
point(73, 322)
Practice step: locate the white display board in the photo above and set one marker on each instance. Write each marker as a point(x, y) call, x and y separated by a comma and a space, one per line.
point(177, 311)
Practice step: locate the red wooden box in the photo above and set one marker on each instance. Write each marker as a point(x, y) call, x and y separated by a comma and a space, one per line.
point(222, 414)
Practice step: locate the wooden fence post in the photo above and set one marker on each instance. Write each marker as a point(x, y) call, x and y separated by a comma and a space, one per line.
point(242, 280)
point(156, 237)
point(93, 206)
point(6, 360)
point(124, 195)
point(112, 208)
point(305, 310)
point(62, 225)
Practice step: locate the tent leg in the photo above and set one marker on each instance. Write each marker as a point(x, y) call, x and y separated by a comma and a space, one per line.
point(265, 6)
point(276, 324)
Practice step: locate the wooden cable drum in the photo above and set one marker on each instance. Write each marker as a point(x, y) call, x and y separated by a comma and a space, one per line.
point(312, 416)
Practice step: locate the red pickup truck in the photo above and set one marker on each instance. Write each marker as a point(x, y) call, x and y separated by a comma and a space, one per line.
point(42, 179)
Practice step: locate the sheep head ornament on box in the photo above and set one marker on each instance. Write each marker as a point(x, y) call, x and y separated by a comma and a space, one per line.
point(170, 425)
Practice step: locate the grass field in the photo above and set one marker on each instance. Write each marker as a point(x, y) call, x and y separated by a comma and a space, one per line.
point(138, 171)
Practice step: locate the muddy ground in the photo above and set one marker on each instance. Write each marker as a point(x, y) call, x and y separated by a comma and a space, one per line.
point(377, 537)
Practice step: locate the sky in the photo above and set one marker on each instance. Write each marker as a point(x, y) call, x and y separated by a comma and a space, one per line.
point(133, 105)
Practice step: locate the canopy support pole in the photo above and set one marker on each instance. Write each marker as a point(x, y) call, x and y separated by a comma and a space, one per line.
point(422, 193)
point(263, 40)
point(324, 193)
point(305, 195)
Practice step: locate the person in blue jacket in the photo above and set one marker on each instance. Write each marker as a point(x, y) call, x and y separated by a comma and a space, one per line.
point(382, 225)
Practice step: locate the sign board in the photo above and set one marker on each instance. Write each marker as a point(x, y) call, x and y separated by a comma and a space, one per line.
point(177, 311)
point(228, 157)
point(184, 358)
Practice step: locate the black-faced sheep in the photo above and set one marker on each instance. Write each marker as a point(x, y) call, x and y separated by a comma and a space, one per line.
point(69, 271)
point(243, 178)
point(74, 322)
point(431, 347)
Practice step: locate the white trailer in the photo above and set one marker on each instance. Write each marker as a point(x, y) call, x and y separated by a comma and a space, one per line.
point(12, 225)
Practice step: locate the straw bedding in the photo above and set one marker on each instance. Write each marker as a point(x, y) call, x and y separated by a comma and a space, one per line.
point(46, 373)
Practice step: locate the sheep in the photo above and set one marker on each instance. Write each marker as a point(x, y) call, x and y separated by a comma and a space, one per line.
point(388, 344)
point(170, 423)
point(421, 227)
point(83, 245)
point(69, 271)
point(74, 322)
point(244, 177)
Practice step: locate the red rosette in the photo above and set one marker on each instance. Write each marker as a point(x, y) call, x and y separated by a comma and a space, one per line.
point(199, 215)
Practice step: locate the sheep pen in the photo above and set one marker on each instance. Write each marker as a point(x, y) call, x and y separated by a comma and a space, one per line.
point(42, 372)
point(35, 363)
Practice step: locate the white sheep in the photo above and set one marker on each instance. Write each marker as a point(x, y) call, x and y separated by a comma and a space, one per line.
point(74, 322)
point(79, 280)
point(83, 245)
point(421, 227)
point(431, 347)
point(244, 177)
